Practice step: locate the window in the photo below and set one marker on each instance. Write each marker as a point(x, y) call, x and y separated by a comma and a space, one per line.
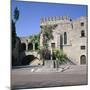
point(65, 38)
point(53, 45)
point(82, 33)
point(61, 42)
point(82, 47)
point(82, 23)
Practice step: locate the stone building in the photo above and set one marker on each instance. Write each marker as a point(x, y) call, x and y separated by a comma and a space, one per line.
point(29, 53)
point(69, 35)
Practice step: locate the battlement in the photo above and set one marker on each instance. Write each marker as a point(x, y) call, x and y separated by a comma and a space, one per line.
point(55, 18)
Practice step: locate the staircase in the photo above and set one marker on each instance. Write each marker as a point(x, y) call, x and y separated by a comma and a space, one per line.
point(48, 63)
point(70, 61)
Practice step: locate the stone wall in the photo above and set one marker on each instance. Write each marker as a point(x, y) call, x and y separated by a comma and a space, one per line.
point(73, 30)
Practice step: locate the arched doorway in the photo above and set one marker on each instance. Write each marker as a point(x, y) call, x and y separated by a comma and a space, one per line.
point(30, 46)
point(83, 59)
point(36, 46)
point(23, 46)
point(28, 59)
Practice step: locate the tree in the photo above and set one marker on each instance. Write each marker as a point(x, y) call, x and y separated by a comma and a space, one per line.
point(16, 17)
point(35, 40)
point(16, 14)
point(16, 43)
point(47, 34)
point(44, 54)
point(13, 34)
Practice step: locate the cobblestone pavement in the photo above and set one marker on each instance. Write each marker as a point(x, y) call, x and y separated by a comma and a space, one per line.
point(66, 75)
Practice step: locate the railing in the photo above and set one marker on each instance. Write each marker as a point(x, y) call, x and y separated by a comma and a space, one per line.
point(72, 60)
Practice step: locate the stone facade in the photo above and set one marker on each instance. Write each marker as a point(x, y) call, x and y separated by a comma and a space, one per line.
point(29, 49)
point(69, 35)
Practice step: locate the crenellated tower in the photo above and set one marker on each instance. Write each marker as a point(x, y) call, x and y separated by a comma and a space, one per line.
point(54, 20)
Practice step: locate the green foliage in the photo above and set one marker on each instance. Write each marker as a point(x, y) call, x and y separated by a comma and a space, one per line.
point(44, 52)
point(35, 38)
point(16, 14)
point(59, 54)
point(41, 51)
point(47, 34)
point(13, 35)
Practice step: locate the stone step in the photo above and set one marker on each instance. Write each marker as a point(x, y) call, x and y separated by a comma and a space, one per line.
point(48, 63)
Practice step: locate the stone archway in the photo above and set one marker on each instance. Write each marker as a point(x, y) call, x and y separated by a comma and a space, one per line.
point(83, 59)
point(36, 46)
point(23, 46)
point(28, 59)
point(30, 46)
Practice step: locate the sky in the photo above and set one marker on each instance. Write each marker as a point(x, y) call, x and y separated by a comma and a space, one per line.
point(31, 12)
